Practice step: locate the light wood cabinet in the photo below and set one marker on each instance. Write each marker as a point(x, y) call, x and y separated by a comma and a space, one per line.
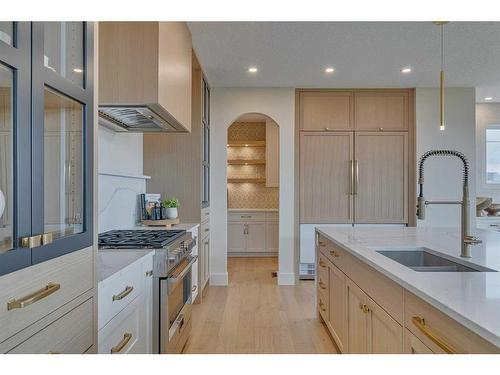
point(147, 63)
point(381, 192)
point(338, 307)
point(272, 154)
point(381, 110)
point(366, 312)
point(325, 177)
point(326, 110)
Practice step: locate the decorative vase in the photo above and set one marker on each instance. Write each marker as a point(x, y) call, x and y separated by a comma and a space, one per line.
point(2, 203)
point(172, 213)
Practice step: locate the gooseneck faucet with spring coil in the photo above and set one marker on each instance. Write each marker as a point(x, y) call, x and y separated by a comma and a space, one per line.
point(467, 239)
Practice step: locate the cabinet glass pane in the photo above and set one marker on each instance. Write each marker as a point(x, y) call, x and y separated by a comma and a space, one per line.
point(63, 49)
point(6, 159)
point(7, 32)
point(63, 165)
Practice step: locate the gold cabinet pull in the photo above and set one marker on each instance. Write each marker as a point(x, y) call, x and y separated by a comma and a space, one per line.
point(334, 253)
point(33, 297)
point(356, 177)
point(321, 284)
point(364, 308)
point(321, 243)
point(419, 322)
point(351, 177)
point(125, 293)
point(123, 343)
point(322, 306)
point(321, 263)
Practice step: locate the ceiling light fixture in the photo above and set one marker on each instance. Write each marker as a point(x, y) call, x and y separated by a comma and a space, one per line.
point(253, 69)
point(329, 70)
point(441, 76)
point(78, 70)
point(406, 70)
point(488, 98)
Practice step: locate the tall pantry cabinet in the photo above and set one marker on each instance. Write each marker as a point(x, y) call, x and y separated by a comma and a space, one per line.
point(357, 157)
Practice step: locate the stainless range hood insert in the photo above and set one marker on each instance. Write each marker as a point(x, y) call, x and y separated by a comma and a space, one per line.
point(134, 119)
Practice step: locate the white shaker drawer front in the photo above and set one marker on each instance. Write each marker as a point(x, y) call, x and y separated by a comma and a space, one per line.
point(34, 292)
point(126, 333)
point(247, 216)
point(118, 291)
point(70, 334)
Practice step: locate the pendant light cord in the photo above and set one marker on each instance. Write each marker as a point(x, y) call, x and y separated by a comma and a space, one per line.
point(442, 46)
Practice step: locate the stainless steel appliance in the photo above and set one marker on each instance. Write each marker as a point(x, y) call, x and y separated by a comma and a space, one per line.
point(172, 263)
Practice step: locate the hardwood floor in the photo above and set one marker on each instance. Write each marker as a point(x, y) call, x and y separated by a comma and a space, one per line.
point(255, 315)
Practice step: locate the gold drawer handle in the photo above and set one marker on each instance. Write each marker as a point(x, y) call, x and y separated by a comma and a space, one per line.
point(33, 297)
point(322, 306)
point(123, 294)
point(364, 307)
point(321, 263)
point(334, 253)
point(322, 284)
point(118, 348)
point(321, 243)
point(419, 322)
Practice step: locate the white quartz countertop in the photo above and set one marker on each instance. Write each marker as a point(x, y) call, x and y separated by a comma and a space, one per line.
point(111, 261)
point(181, 226)
point(471, 298)
point(253, 209)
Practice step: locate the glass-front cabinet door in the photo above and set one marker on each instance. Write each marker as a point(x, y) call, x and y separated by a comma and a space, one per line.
point(46, 121)
point(62, 137)
point(15, 145)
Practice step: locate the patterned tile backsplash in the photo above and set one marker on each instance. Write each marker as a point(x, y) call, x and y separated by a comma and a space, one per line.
point(249, 195)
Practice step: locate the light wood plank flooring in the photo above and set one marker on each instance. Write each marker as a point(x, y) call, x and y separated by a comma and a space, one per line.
point(255, 315)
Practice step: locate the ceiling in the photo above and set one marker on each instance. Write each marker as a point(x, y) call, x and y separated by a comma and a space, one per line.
point(364, 54)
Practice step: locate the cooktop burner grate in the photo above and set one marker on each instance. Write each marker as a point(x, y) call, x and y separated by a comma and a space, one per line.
point(151, 239)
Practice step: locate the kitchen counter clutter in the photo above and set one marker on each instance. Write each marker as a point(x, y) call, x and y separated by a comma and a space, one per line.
point(372, 303)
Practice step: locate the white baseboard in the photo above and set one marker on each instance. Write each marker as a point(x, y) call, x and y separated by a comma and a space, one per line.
point(286, 278)
point(219, 279)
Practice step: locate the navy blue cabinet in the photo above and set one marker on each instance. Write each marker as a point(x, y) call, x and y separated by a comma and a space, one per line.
point(46, 132)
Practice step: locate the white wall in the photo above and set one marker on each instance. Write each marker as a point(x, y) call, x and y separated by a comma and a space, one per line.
point(227, 104)
point(443, 176)
point(121, 155)
point(486, 114)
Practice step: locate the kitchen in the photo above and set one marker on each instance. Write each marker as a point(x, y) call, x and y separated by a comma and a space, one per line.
point(191, 194)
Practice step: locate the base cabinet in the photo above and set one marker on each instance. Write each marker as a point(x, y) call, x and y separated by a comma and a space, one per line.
point(253, 233)
point(367, 313)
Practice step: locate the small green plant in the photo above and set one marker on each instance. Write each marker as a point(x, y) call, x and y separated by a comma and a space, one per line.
point(171, 203)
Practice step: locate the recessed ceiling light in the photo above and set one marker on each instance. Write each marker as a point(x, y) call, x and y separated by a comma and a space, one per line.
point(252, 69)
point(329, 70)
point(406, 70)
point(78, 70)
point(488, 98)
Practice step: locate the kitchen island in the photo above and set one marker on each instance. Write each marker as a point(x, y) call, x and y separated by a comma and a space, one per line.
point(371, 303)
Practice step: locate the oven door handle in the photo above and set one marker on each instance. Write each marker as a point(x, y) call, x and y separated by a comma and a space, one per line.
point(175, 280)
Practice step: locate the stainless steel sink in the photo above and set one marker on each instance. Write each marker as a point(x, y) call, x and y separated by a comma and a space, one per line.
point(424, 260)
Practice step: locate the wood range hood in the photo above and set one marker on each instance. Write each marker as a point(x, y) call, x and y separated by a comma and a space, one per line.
point(145, 76)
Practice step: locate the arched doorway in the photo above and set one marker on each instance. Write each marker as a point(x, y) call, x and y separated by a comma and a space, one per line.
point(253, 194)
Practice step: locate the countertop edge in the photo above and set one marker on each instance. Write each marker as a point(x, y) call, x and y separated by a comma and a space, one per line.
point(474, 327)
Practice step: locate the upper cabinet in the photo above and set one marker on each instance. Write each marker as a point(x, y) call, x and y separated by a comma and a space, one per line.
point(326, 110)
point(145, 66)
point(46, 115)
point(381, 110)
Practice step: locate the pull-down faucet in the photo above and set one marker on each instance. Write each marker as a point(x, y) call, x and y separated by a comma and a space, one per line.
point(467, 239)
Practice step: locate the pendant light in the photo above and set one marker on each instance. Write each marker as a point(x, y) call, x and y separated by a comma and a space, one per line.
point(441, 77)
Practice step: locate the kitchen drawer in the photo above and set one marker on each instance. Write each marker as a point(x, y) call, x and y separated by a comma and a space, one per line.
point(439, 332)
point(247, 216)
point(126, 333)
point(322, 267)
point(323, 306)
point(413, 345)
point(118, 291)
point(205, 214)
point(49, 285)
point(380, 288)
point(272, 216)
point(204, 229)
point(70, 334)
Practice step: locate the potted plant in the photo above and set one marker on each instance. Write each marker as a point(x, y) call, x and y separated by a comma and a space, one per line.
point(171, 207)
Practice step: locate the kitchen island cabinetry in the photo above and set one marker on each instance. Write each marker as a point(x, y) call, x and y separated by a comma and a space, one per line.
point(367, 312)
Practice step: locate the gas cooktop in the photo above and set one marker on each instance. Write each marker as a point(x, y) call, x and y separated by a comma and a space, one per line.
point(138, 239)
